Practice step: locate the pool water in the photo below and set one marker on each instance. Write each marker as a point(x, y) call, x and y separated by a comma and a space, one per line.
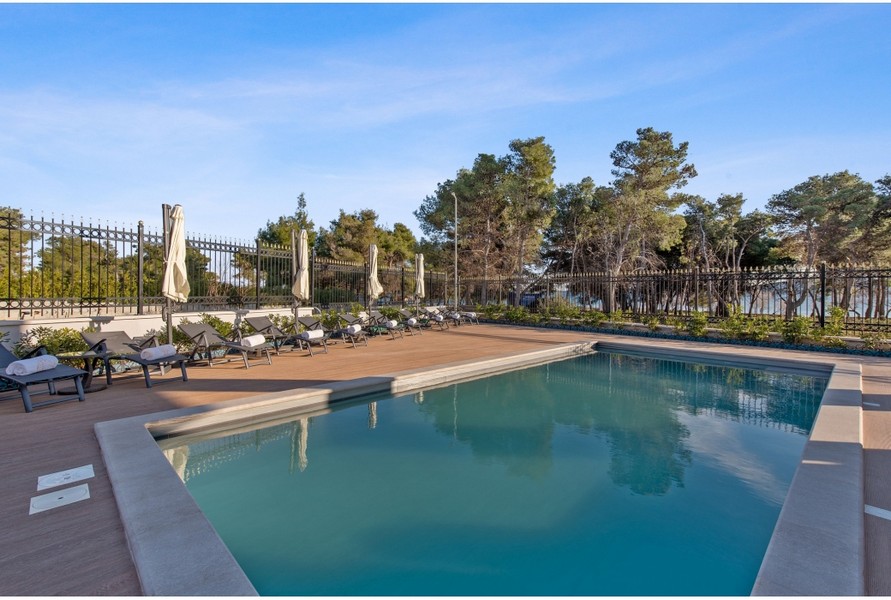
point(606, 474)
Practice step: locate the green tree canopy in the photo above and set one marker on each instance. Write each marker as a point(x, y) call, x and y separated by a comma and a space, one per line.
point(826, 218)
point(279, 232)
point(350, 235)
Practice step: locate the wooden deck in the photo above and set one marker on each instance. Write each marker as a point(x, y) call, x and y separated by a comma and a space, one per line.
point(80, 549)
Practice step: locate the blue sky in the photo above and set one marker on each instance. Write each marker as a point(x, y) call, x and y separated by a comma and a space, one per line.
point(232, 110)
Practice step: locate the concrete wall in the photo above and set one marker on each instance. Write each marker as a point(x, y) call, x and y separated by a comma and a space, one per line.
point(134, 325)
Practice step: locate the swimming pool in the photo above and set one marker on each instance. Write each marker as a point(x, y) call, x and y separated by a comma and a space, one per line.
point(607, 474)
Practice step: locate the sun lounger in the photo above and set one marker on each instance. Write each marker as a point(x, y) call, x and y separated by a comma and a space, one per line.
point(313, 334)
point(389, 325)
point(30, 376)
point(434, 317)
point(411, 322)
point(119, 346)
point(207, 339)
point(272, 332)
point(470, 316)
point(353, 330)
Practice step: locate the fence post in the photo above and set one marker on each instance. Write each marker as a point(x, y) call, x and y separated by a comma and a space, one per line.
point(696, 289)
point(822, 294)
point(140, 268)
point(312, 278)
point(257, 286)
point(402, 298)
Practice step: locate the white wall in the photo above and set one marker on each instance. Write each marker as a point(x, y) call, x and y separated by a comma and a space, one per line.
point(134, 325)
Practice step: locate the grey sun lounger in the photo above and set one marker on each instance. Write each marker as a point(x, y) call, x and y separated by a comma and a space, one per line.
point(391, 326)
point(49, 377)
point(313, 324)
point(119, 346)
point(354, 329)
point(411, 322)
point(207, 339)
point(350, 334)
point(433, 317)
point(272, 332)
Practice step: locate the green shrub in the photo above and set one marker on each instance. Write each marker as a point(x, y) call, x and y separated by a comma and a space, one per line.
point(391, 312)
point(834, 342)
point(330, 320)
point(697, 324)
point(759, 328)
point(652, 323)
point(735, 325)
point(519, 314)
point(874, 341)
point(675, 322)
point(560, 308)
point(283, 322)
point(835, 323)
point(593, 318)
point(225, 328)
point(180, 339)
point(796, 330)
point(64, 339)
point(619, 318)
point(492, 311)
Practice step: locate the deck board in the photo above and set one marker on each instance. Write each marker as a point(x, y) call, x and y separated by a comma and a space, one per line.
point(80, 549)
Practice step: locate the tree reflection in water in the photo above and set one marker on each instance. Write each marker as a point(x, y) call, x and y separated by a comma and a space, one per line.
point(634, 402)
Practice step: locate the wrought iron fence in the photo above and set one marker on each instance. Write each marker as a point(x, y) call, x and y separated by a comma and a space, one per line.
point(58, 268)
point(861, 294)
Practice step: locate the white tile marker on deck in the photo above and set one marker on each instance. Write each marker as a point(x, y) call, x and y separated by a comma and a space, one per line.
point(59, 498)
point(45, 482)
point(877, 512)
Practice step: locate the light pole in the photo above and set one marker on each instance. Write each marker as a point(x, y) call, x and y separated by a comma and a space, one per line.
point(456, 250)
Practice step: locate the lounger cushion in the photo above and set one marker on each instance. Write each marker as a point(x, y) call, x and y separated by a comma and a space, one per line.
point(27, 366)
point(157, 352)
point(312, 334)
point(251, 341)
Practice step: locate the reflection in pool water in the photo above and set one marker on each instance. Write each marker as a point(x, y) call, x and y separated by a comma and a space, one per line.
point(606, 474)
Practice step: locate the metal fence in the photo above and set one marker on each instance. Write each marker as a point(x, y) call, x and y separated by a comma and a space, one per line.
point(58, 268)
point(862, 293)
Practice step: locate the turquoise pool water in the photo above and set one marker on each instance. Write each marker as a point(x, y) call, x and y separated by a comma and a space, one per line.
point(607, 474)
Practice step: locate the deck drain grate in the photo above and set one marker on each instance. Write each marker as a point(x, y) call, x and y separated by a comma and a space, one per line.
point(45, 482)
point(59, 498)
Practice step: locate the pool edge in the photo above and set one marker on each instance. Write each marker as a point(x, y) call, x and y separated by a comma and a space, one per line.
point(132, 457)
point(163, 524)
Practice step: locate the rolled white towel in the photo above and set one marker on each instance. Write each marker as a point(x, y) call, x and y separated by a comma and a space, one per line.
point(312, 334)
point(252, 341)
point(28, 366)
point(353, 329)
point(157, 352)
point(438, 318)
point(472, 315)
point(412, 322)
point(391, 324)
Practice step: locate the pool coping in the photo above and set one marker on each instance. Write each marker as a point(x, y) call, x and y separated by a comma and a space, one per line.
point(817, 547)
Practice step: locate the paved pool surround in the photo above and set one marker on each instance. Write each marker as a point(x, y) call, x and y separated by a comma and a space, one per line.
point(817, 547)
